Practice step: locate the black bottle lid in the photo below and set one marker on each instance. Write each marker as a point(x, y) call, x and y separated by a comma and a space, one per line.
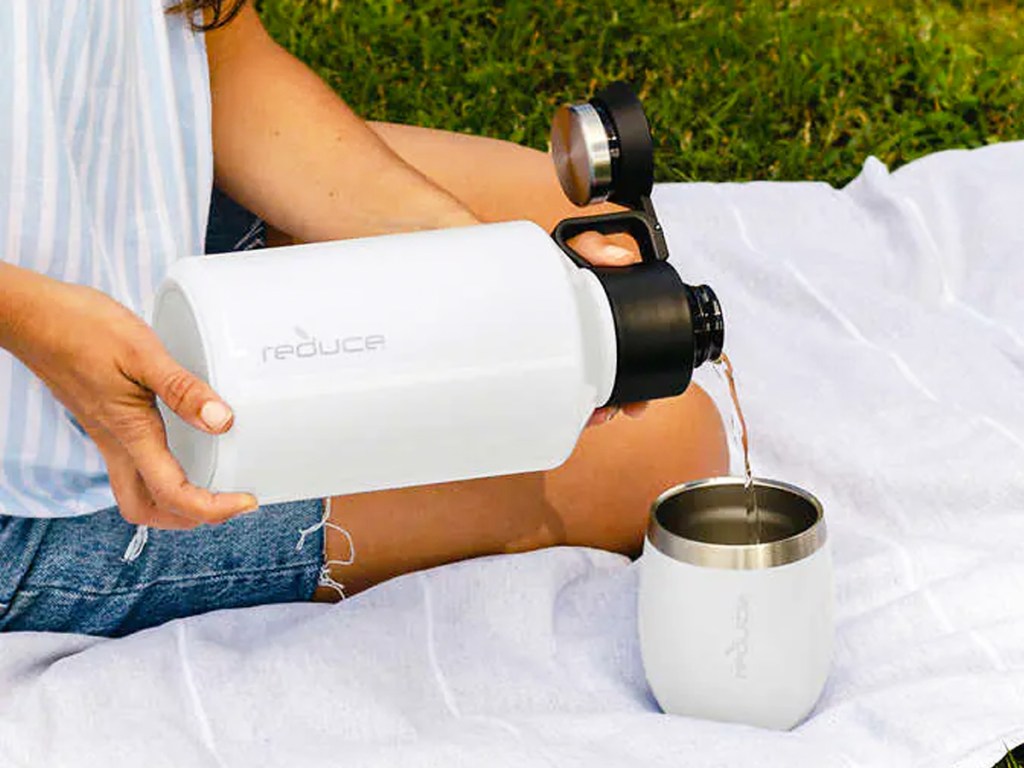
point(632, 147)
point(663, 328)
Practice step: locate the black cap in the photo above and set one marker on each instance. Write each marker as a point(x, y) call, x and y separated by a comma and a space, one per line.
point(632, 147)
point(663, 328)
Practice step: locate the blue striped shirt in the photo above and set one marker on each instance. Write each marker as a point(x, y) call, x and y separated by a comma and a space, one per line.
point(106, 166)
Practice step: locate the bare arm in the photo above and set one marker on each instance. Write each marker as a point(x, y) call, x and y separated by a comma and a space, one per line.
point(289, 149)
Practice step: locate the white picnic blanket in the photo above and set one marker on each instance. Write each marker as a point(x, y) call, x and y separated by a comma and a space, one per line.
point(878, 339)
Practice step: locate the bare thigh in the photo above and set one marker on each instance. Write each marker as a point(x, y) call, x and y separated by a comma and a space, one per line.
point(599, 497)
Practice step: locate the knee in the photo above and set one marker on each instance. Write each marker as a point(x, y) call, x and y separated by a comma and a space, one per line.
point(604, 491)
point(683, 437)
point(676, 439)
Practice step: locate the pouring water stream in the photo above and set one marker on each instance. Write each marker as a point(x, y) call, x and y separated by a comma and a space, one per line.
point(723, 366)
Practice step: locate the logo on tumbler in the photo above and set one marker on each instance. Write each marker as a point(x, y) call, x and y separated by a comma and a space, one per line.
point(311, 346)
point(740, 644)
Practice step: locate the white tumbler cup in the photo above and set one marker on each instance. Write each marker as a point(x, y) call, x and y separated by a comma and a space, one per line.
point(732, 629)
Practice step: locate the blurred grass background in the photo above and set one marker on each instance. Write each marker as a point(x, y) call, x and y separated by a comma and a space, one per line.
point(735, 90)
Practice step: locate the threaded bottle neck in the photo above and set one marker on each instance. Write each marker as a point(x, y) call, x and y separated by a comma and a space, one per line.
point(708, 324)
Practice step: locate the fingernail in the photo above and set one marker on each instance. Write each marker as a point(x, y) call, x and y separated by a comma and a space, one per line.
point(616, 253)
point(215, 414)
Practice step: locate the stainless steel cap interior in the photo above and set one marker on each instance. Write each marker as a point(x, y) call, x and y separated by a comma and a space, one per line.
point(582, 154)
point(704, 523)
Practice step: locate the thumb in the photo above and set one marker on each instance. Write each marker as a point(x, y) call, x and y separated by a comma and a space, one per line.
point(185, 393)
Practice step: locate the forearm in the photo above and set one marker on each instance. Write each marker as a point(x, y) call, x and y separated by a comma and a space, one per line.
point(289, 149)
point(499, 180)
point(20, 291)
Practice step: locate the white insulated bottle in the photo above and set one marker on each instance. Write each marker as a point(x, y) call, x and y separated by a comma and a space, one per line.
point(418, 358)
point(434, 356)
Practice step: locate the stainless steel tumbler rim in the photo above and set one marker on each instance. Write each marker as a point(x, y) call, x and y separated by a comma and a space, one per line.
point(769, 554)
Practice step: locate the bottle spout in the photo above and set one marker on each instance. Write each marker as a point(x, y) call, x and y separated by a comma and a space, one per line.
point(707, 323)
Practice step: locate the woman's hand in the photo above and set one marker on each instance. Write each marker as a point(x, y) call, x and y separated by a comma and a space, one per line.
point(108, 367)
point(603, 251)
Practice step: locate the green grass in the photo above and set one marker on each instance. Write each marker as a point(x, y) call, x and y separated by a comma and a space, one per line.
point(734, 90)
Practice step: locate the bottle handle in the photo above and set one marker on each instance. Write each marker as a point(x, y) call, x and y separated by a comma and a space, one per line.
point(643, 226)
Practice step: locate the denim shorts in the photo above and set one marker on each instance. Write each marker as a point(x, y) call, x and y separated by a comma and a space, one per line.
point(69, 575)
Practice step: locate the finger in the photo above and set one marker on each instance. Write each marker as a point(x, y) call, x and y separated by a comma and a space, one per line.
point(134, 501)
point(184, 393)
point(146, 444)
point(601, 251)
point(634, 410)
point(602, 415)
